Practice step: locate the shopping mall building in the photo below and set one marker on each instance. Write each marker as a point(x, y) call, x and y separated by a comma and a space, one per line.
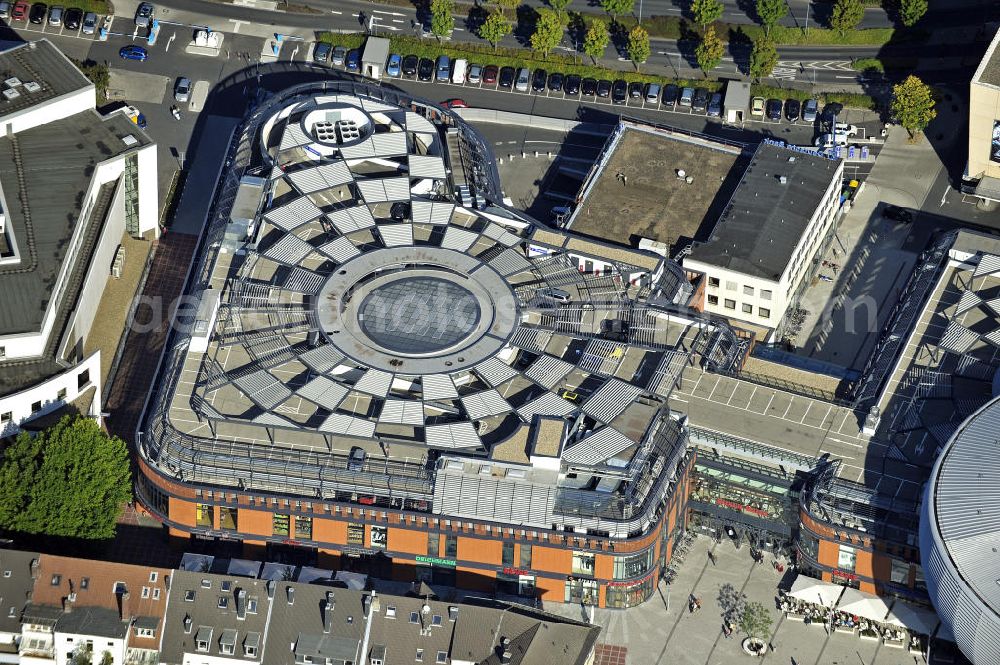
point(390, 369)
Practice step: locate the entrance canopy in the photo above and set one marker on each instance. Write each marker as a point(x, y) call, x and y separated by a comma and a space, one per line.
point(812, 590)
point(915, 619)
point(862, 604)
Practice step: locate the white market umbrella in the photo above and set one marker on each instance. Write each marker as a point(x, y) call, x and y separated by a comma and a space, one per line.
point(815, 591)
point(863, 604)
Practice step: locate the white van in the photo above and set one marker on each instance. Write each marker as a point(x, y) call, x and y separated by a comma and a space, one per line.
point(523, 76)
point(458, 72)
point(844, 128)
point(831, 140)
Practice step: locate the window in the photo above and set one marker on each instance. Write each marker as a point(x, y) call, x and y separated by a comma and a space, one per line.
point(730, 286)
point(356, 534)
point(279, 524)
point(713, 282)
point(451, 547)
point(414, 617)
point(442, 657)
point(378, 537)
point(252, 605)
point(747, 290)
point(764, 312)
point(250, 651)
point(730, 304)
point(747, 308)
point(227, 518)
point(144, 632)
point(82, 379)
point(436, 620)
point(156, 594)
point(61, 395)
point(390, 612)
point(6, 573)
point(189, 596)
point(583, 563)
point(153, 576)
point(765, 294)
point(420, 656)
point(900, 572)
point(525, 555)
point(36, 406)
point(226, 649)
point(223, 602)
point(713, 300)
point(847, 557)
point(202, 645)
point(56, 580)
point(145, 592)
point(6, 416)
point(304, 528)
point(204, 515)
point(507, 557)
point(433, 544)
point(632, 565)
point(3, 352)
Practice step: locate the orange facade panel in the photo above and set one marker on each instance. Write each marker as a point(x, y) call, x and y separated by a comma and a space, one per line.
point(409, 541)
point(256, 522)
point(328, 530)
point(551, 560)
point(480, 550)
point(182, 512)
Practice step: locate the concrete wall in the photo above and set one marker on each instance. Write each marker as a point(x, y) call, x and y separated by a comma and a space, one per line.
point(55, 109)
point(101, 644)
point(984, 109)
point(16, 408)
point(149, 211)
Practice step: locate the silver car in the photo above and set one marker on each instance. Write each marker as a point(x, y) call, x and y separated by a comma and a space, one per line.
point(4, 9)
point(55, 15)
point(89, 23)
point(339, 55)
point(182, 90)
point(809, 110)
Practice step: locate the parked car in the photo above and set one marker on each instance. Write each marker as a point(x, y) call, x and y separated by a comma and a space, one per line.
point(454, 103)
point(37, 13)
point(55, 15)
point(475, 74)
point(182, 89)
point(89, 23)
point(522, 79)
point(356, 459)
point(410, 63)
point(810, 110)
point(830, 140)
point(339, 55)
point(442, 69)
point(556, 81)
point(425, 69)
point(322, 52)
point(844, 128)
point(588, 87)
point(72, 18)
point(4, 9)
point(773, 109)
point(898, 214)
point(394, 67)
point(715, 105)
point(506, 78)
point(604, 88)
point(353, 60)
point(792, 108)
point(20, 11)
point(490, 75)
point(757, 107)
point(619, 91)
point(144, 14)
point(651, 92)
point(538, 80)
point(133, 52)
point(687, 95)
point(635, 90)
point(699, 102)
point(572, 85)
point(670, 94)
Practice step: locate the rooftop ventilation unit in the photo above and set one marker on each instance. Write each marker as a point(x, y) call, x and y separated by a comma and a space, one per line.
point(11, 94)
point(31, 86)
point(782, 179)
point(12, 82)
point(129, 140)
point(791, 159)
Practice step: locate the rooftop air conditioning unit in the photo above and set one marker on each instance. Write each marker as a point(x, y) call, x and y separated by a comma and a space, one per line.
point(11, 94)
point(12, 82)
point(31, 86)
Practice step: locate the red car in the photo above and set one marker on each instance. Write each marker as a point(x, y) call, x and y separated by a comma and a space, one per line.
point(490, 75)
point(20, 11)
point(454, 104)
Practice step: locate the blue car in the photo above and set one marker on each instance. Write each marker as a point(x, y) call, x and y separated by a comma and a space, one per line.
point(353, 60)
point(133, 52)
point(395, 63)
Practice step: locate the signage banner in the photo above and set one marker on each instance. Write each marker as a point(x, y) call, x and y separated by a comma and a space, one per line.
point(435, 561)
point(995, 143)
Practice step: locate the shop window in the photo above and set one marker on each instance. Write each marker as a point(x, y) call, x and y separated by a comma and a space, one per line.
point(809, 545)
point(847, 558)
point(581, 591)
point(632, 565)
point(525, 555)
point(631, 594)
point(433, 544)
point(279, 524)
point(227, 518)
point(204, 515)
point(508, 554)
point(451, 547)
point(356, 534)
point(583, 563)
point(899, 573)
point(730, 304)
point(304, 528)
point(713, 300)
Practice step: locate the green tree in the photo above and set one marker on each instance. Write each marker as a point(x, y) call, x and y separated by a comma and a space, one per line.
point(709, 51)
point(846, 16)
point(548, 31)
point(595, 42)
point(638, 45)
point(913, 104)
point(756, 622)
point(769, 12)
point(911, 11)
point(495, 28)
point(442, 19)
point(107, 658)
point(618, 7)
point(99, 74)
point(71, 480)
point(706, 12)
point(560, 7)
point(506, 6)
point(763, 58)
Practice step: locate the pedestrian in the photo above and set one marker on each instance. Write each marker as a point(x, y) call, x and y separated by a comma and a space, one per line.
point(711, 557)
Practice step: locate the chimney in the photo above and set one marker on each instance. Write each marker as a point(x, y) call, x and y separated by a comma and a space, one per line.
point(328, 606)
point(187, 623)
point(67, 604)
point(34, 568)
point(241, 604)
point(123, 606)
point(270, 589)
point(506, 657)
point(290, 593)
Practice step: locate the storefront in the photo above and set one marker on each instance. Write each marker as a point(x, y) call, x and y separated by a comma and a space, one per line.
point(629, 594)
point(581, 591)
point(435, 570)
point(516, 582)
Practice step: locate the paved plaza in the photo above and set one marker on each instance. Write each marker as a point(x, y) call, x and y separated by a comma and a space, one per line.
point(662, 631)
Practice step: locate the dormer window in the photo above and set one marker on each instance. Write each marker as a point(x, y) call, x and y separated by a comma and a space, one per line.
point(189, 595)
point(436, 620)
point(223, 602)
point(56, 580)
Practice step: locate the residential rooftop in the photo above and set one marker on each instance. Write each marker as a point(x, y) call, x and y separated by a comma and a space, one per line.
point(37, 72)
point(636, 191)
point(15, 587)
point(763, 224)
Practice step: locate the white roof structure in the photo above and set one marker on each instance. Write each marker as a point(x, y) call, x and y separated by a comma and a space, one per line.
point(818, 592)
point(914, 618)
point(865, 605)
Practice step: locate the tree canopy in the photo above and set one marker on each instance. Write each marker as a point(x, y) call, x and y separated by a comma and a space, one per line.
point(618, 7)
point(595, 42)
point(70, 480)
point(495, 28)
point(560, 7)
point(638, 45)
point(763, 58)
point(506, 5)
point(709, 51)
point(911, 11)
point(846, 15)
point(769, 12)
point(548, 31)
point(442, 20)
point(913, 104)
point(756, 621)
point(706, 12)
